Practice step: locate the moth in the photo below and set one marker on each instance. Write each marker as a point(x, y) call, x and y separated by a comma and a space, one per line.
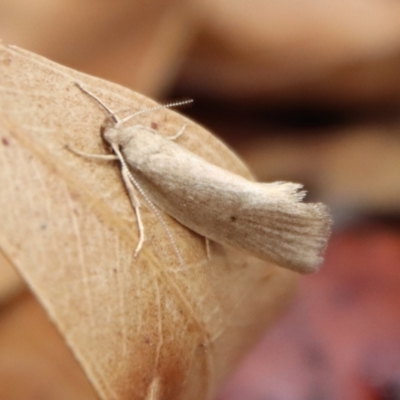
point(268, 220)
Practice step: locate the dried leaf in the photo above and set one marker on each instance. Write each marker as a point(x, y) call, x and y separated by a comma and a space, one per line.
point(141, 328)
point(34, 362)
point(10, 282)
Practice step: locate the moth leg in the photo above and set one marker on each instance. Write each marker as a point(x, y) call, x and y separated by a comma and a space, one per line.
point(180, 132)
point(135, 204)
point(208, 248)
point(104, 157)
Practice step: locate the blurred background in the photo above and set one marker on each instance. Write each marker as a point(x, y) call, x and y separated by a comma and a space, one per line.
point(306, 91)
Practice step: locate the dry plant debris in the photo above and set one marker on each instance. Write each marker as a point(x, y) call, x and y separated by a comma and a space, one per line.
point(141, 328)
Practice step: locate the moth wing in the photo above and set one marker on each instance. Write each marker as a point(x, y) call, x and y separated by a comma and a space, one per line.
point(267, 219)
point(286, 231)
point(271, 222)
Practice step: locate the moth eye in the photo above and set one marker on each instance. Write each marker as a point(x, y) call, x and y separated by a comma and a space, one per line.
point(233, 218)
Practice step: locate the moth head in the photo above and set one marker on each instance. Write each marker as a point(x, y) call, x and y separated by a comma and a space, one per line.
point(108, 123)
point(111, 131)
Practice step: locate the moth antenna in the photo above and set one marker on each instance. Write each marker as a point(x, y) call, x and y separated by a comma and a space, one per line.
point(155, 108)
point(113, 115)
point(110, 112)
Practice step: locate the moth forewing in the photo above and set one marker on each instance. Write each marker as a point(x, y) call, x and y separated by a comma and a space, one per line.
point(267, 220)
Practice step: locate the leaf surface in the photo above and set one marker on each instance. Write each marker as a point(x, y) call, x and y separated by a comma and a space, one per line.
point(142, 328)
